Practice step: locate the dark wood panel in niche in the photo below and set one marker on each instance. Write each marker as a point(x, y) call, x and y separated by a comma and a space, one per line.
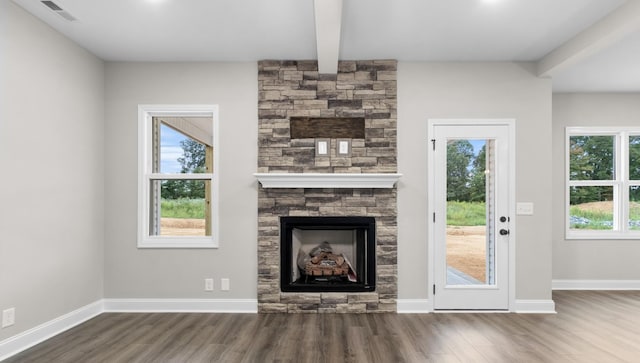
point(332, 128)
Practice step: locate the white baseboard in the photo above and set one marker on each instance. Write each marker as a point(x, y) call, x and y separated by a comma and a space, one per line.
point(182, 305)
point(535, 307)
point(42, 332)
point(413, 306)
point(595, 284)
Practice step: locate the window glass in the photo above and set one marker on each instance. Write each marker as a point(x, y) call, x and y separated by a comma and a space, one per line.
point(604, 183)
point(179, 152)
point(591, 207)
point(634, 157)
point(179, 207)
point(634, 208)
point(591, 158)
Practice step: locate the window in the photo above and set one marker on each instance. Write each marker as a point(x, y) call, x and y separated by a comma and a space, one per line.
point(178, 177)
point(603, 183)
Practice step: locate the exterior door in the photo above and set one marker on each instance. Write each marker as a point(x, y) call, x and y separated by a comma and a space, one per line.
point(470, 215)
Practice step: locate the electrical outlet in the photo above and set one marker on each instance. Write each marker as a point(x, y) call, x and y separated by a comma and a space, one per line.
point(8, 317)
point(208, 284)
point(224, 284)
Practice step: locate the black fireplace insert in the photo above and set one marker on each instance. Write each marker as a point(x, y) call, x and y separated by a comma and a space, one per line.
point(327, 254)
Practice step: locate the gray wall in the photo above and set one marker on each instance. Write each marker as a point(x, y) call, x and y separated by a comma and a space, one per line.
point(179, 273)
point(475, 90)
point(51, 191)
point(589, 259)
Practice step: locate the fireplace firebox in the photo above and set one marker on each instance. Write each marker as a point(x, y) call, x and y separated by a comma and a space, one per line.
point(327, 254)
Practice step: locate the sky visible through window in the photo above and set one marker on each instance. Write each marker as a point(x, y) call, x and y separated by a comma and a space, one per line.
point(170, 149)
point(477, 145)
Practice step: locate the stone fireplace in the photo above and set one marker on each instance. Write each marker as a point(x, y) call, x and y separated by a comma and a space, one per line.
point(359, 104)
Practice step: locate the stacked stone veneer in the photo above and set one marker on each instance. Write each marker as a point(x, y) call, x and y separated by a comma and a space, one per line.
point(295, 89)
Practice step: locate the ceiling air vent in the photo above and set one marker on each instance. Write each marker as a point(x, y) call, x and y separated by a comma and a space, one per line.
point(53, 6)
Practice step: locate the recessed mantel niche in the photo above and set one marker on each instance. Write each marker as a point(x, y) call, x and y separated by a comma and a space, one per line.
point(334, 127)
point(297, 109)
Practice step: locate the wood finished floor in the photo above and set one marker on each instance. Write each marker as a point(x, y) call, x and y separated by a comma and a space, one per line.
point(591, 326)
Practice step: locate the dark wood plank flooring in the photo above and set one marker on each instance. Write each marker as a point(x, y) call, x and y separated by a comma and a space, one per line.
point(591, 326)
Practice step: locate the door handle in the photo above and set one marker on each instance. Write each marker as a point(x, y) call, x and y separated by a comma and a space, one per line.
point(504, 232)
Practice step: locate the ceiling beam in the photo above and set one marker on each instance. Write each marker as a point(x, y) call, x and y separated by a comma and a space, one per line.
point(606, 32)
point(328, 16)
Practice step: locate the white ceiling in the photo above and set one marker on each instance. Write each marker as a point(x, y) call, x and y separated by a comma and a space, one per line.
point(407, 30)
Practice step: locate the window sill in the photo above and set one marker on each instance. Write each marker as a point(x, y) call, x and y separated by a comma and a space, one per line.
point(610, 235)
point(177, 242)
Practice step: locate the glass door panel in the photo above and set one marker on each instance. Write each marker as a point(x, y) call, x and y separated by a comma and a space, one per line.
point(470, 242)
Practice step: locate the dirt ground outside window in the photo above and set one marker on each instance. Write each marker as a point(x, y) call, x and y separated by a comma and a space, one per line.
point(466, 250)
point(182, 227)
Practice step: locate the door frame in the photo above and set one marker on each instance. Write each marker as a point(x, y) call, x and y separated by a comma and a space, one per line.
point(511, 124)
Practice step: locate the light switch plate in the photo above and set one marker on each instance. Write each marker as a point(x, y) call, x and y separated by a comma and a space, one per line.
point(524, 209)
point(322, 147)
point(343, 147)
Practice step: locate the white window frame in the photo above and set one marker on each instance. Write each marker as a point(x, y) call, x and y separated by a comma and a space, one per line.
point(146, 113)
point(620, 184)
